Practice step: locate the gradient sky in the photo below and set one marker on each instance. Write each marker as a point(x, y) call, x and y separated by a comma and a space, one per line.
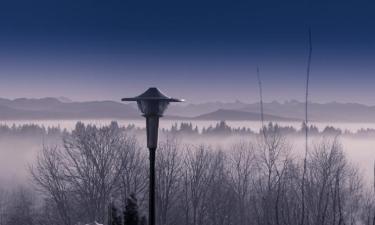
point(198, 50)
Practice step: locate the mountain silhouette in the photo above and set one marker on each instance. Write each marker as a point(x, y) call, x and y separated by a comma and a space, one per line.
point(53, 108)
point(63, 108)
point(226, 114)
point(324, 112)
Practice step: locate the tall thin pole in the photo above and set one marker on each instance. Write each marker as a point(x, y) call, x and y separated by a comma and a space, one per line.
point(306, 129)
point(261, 101)
point(307, 91)
point(151, 207)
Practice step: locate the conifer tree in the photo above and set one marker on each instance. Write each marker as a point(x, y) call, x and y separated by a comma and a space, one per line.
point(131, 216)
point(143, 221)
point(114, 218)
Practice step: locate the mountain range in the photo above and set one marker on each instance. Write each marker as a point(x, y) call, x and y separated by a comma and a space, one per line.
point(64, 108)
point(53, 108)
point(228, 114)
point(294, 110)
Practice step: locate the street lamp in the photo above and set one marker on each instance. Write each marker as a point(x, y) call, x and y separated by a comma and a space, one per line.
point(152, 103)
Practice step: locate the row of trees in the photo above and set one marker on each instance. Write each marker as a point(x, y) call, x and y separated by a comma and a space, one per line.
point(255, 182)
point(222, 128)
point(187, 128)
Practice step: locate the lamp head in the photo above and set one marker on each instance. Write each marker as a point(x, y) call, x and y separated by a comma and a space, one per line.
point(152, 102)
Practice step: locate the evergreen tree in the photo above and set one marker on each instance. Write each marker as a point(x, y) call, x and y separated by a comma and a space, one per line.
point(131, 216)
point(143, 221)
point(196, 130)
point(114, 218)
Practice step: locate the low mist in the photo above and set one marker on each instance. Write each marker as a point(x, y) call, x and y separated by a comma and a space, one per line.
point(21, 142)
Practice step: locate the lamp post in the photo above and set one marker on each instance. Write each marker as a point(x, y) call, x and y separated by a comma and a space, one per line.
point(152, 103)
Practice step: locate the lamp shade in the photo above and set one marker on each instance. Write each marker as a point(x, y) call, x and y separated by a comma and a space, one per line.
point(152, 102)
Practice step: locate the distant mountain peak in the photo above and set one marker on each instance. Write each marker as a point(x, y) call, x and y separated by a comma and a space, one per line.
point(64, 99)
point(292, 102)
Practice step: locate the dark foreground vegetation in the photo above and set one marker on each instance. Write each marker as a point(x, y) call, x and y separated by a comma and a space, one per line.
point(100, 174)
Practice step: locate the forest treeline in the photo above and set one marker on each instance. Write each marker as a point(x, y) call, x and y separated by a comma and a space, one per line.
point(95, 172)
point(187, 128)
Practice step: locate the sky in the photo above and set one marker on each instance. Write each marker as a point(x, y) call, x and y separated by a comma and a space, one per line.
point(198, 50)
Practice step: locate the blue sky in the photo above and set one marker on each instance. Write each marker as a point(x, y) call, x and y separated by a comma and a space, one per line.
point(198, 50)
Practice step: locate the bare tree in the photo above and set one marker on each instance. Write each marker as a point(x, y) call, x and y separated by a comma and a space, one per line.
point(197, 179)
point(272, 160)
point(88, 168)
point(134, 176)
point(20, 208)
point(49, 175)
point(221, 198)
point(168, 170)
point(241, 168)
point(333, 187)
point(4, 195)
point(256, 182)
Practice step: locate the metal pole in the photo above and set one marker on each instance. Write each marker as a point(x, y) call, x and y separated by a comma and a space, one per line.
point(151, 216)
